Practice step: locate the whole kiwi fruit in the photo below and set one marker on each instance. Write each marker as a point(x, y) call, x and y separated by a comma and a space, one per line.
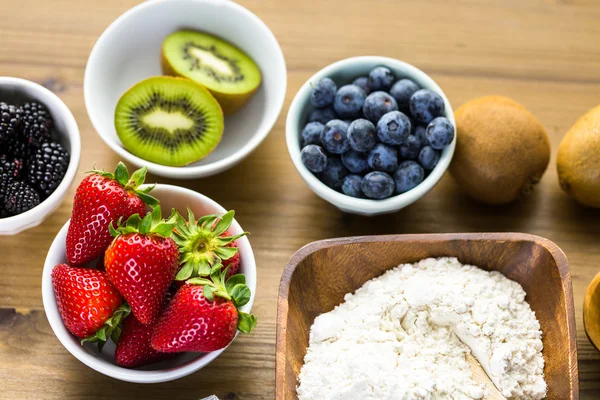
point(502, 150)
point(578, 161)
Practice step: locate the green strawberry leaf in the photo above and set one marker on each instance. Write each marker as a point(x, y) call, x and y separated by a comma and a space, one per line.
point(146, 198)
point(121, 174)
point(215, 272)
point(111, 327)
point(185, 272)
point(199, 281)
point(237, 279)
point(226, 252)
point(240, 294)
point(246, 322)
point(208, 293)
point(224, 223)
point(137, 178)
point(163, 229)
point(146, 223)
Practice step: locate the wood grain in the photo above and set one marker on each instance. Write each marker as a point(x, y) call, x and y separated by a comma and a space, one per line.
point(480, 376)
point(542, 53)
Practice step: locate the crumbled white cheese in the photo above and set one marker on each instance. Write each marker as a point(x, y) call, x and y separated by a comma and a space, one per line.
point(405, 334)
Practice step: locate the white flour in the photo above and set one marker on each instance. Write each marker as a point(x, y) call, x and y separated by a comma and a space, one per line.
point(405, 334)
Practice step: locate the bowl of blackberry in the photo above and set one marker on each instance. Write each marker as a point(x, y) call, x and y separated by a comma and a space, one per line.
point(371, 135)
point(39, 153)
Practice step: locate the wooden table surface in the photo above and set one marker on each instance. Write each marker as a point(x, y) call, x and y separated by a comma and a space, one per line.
point(543, 53)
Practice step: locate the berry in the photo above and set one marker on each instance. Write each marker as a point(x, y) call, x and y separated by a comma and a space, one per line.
point(37, 123)
point(352, 186)
point(355, 161)
point(311, 134)
point(20, 197)
point(323, 93)
point(411, 148)
point(363, 83)
point(362, 135)
point(420, 134)
point(381, 78)
point(134, 348)
point(393, 128)
point(10, 123)
point(349, 101)
point(377, 185)
point(440, 133)
point(428, 158)
point(47, 168)
point(232, 264)
point(335, 137)
point(377, 104)
point(425, 105)
point(408, 176)
point(383, 158)
point(334, 173)
point(314, 158)
point(402, 92)
point(322, 115)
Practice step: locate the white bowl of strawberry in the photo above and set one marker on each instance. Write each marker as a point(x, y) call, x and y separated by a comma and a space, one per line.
point(142, 298)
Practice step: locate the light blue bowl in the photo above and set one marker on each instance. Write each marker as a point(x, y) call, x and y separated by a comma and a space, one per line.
point(342, 72)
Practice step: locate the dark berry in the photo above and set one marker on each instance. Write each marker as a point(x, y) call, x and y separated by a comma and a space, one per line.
point(402, 92)
point(322, 115)
point(440, 133)
point(393, 128)
point(377, 104)
point(381, 78)
point(383, 158)
point(362, 135)
point(335, 136)
point(311, 134)
point(314, 158)
point(408, 176)
point(377, 185)
point(411, 148)
point(352, 186)
point(355, 161)
point(348, 101)
point(334, 173)
point(323, 93)
point(363, 83)
point(10, 123)
point(425, 105)
point(47, 168)
point(19, 198)
point(428, 158)
point(420, 134)
point(37, 123)
point(9, 171)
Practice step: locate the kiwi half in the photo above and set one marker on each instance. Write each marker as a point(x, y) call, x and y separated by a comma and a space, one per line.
point(169, 121)
point(226, 71)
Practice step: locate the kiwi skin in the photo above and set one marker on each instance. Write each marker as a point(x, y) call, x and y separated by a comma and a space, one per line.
point(230, 103)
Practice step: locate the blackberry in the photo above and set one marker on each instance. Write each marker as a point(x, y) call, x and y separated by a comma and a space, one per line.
point(37, 123)
point(19, 198)
point(10, 170)
point(47, 167)
point(10, 123)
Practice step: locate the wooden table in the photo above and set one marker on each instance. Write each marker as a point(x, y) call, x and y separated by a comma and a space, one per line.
point(543, 53)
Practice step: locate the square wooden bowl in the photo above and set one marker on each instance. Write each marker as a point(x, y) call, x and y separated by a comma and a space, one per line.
point(319, 275)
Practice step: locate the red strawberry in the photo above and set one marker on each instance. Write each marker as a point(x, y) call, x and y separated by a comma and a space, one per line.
point(88, 303)
point(204, 315)
point(134, 349)
point(141, 262)
point(234, 262)
point(100, 199)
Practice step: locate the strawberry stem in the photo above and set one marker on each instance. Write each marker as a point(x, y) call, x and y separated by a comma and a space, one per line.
point(121, 175)
point(110, 329)
point(151, 224)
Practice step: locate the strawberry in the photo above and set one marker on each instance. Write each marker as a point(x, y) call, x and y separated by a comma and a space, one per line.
point(204, 315)
point(142, 261)
point(134, 349)
point(233, 263)
point(89, 304)
point(203, 244)
point(100, 199)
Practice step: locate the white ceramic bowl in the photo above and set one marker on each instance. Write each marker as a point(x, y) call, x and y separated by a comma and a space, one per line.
point(343, 72)
point(129, 51)
point(178, 367)
point(16, 90)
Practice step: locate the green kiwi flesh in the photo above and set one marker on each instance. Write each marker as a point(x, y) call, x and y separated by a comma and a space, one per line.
point(169, 121)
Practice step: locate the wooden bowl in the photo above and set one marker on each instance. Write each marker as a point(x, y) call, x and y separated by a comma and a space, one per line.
point(319, 275)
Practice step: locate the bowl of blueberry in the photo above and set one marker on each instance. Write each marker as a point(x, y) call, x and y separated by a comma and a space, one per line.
point(371, 135)
point(39, 153)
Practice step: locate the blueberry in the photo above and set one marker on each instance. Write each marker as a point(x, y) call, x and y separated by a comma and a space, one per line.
point(334, 173)
point(408, 176)
point(428, 158)
point(425, 105)
point(377, 185)
point(383, 158)
point(393, 128)
point(402, 91)
point(377, 104)
point(323, 93)
point(411, 148)
point(311, 134)
point(314, 158)
point(362, 135)
point(420, 134)
point(363, 83)
point(322, 115)
point(348, 101)
point(440, 133)
point(355, 161)
point(352, 186)
point(381, 78)
point(335, 136)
